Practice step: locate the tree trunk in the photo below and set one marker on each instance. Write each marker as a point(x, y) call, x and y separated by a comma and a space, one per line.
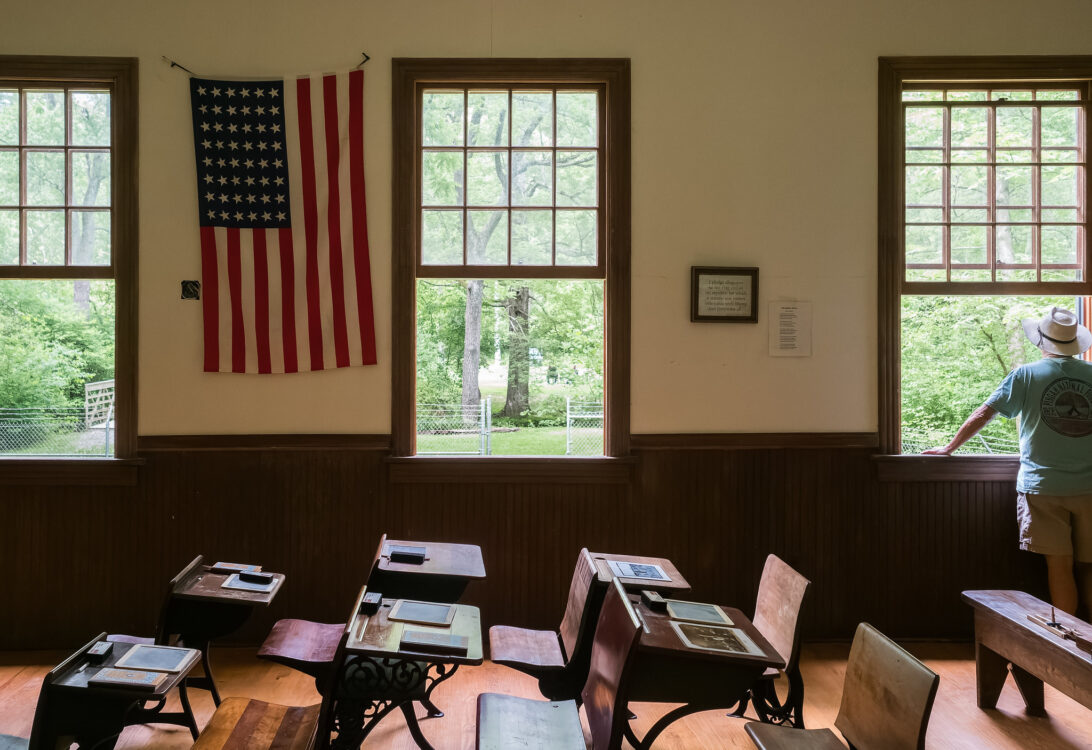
point(472, 349)
point(517, 400)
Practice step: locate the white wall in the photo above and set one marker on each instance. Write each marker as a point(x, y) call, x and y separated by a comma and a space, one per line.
point(754, 144)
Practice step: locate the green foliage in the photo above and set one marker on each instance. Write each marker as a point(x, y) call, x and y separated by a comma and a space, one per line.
point(50, 346)
point(955, 351)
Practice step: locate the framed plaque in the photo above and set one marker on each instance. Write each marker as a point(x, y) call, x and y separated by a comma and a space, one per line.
point(723, 295)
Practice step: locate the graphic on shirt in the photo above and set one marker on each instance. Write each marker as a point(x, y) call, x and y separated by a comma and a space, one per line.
point(1066, 407)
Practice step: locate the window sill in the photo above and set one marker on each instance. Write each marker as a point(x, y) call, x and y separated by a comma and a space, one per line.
point(509, 469)
point(116, 472)
point(918, 468)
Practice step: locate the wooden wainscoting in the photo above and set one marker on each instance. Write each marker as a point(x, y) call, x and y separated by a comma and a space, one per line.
point(80, 559)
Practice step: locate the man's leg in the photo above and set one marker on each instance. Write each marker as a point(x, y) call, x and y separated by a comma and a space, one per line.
point(1063, 586)
point(1084, 579)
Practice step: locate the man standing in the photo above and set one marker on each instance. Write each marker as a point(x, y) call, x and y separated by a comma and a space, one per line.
point(1052, 399)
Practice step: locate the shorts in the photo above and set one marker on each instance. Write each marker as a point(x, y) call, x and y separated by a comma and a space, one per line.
point(1056, 524)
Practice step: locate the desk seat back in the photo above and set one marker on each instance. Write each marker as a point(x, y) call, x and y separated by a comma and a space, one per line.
point(582, 607)
point(777, 610)
point(43, 735)
point(605, 694)
point(887, 695)
point(165, 627)
point(330, 690)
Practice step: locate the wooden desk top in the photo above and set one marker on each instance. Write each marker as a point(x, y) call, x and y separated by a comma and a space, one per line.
point(377, 635)
point(204, 585)
point(1013, 608)
point(658, 637)
point(676, 584)
point(82, 670)
point(441, 559)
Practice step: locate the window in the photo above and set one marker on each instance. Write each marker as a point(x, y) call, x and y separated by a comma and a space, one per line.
point(983, 221)
point(511, 223)
point(67, 236)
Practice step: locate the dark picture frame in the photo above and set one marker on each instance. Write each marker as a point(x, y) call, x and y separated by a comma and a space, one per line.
point(723, 295)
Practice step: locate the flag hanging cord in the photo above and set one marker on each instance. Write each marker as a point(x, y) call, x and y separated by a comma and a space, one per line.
point(183, 67)
point(178, 65)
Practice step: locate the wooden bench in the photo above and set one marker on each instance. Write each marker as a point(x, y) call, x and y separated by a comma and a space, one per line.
point(506, 722)
point(1004, 635)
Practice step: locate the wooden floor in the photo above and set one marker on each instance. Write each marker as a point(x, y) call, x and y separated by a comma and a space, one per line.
point(956, 722)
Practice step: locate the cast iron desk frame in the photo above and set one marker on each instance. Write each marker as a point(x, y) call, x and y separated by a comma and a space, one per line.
point(379, 676)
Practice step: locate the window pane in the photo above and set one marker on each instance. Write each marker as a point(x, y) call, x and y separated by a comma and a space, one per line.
point(45, 238)
point(1061, 155)
point(925, 245)
point(90, 178)
point(487, 238)
point(9, 178)
point(576, 178)
point(970, 126)
point(90, 118)
point(532, 118)
point(924, 126)
point(56, 367)
point(951, 363)
point(1060, 214)
point(9, 238)
point(969, 215)
point(1058, 96)
point(442, 178)
point(9, 117)
point(532, 178)
point(45, 178)
point(577, 118)
point(1059, 186)
point(90, 238)
point(970, 155)
point(1015, 156)
point(1013, 245)
point(1059, 126)
point(487, 120)
point(45, 118)
point(924, 155)
point(1015, 215)
point(1011, 96)
point(969, 186)
point(442, 118)
point(919, 215)
point(968, 246)
point(532, 238)
point(922, 96)
point(577, 238)
point(1059, 244)
point(487, 178)
point(924, 186)
point(531, 353)
point(1014, 126)
point(1014, 186)
point(442, 237)
point(966, 96)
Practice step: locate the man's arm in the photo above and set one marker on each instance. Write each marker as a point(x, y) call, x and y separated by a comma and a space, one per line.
point(979, 418)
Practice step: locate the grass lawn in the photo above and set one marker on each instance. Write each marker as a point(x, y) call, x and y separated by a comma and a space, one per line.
point(526, 441)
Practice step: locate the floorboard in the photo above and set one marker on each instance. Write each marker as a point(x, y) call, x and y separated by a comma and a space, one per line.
point(956, 722)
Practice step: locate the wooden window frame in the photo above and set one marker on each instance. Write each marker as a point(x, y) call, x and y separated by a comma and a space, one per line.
point(613, 76)
point(893, 73)
point(120, 76)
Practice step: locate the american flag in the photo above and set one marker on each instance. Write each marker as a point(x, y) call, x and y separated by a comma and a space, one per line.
point(284, 239)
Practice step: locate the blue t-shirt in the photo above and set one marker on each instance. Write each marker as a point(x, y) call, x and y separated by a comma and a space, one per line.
point(1053, 400)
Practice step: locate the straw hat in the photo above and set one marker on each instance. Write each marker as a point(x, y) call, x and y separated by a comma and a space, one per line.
point(1058, 333)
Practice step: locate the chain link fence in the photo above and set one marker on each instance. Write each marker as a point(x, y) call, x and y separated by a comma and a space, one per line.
point(454, 429)
point(62, 431)
point(989, 441)
point(583, 428)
